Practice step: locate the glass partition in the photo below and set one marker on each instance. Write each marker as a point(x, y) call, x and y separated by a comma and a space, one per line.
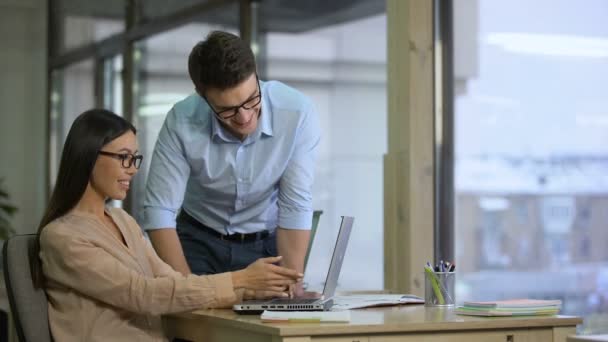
point(346, 82)
point(161, 69)
point(343, 69)
point(83, 22)
point(72, 92)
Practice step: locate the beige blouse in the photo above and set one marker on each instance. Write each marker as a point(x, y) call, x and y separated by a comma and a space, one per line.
point(101, 290)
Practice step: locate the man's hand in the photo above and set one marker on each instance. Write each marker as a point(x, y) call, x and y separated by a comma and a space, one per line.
point(256, 294)
point(264, 275)
point(297, 291)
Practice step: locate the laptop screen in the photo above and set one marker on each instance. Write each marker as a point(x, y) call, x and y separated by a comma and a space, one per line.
point(338, 257)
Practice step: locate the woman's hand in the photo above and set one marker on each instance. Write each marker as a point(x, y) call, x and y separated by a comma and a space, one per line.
point(264, 275)
point(256, 294)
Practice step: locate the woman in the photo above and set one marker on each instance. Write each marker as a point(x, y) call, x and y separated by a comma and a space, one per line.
point(103, 280)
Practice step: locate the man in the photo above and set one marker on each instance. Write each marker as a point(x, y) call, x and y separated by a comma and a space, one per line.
point(238, 159)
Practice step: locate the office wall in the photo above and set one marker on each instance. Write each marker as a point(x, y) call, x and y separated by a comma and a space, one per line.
point(23, 80)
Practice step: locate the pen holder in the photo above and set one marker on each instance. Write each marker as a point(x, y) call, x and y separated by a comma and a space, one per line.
point(439, 288)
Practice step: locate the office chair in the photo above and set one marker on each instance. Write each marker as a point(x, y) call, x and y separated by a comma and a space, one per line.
point(316, 215)
point(28, 304)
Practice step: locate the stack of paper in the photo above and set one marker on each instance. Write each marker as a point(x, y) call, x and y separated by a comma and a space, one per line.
point(305, 316)
point(513, 307)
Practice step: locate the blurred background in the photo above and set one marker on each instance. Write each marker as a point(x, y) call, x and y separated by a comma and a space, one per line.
point(529, 193)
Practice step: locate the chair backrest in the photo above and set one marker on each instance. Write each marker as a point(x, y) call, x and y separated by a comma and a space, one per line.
point(28, 304)
point(316, 215)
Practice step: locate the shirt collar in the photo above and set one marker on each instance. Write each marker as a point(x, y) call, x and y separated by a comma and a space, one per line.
point(266, 121)
point(217, 130)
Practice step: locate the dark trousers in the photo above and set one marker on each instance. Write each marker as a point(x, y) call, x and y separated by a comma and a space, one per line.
point(208, 254)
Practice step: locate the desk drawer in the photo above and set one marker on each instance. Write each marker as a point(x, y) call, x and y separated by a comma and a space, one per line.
point(523, 335)
point(341, 339)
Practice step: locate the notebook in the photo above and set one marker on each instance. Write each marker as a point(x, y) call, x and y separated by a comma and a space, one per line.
point(309, 304)
point(513, 307)
point(305, 316)
point(515, 303)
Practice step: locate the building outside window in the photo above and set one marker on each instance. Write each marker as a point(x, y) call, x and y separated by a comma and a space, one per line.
point(531, 126)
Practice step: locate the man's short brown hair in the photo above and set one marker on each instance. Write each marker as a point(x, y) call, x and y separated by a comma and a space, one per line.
point(221, 61)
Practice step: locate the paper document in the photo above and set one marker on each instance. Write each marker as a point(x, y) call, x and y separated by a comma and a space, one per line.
point(371, 300)
point(305, 316)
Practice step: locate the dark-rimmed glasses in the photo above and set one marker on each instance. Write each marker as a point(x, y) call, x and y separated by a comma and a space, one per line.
point(231, 112)
point(126, 159)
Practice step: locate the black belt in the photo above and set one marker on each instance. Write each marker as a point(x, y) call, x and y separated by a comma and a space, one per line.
point(236, 237)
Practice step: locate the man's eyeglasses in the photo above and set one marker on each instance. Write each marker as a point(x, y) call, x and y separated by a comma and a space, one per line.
point(231, 112)
point(126, 159)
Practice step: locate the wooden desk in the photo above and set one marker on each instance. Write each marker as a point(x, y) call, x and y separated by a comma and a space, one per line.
point(588, 338)
point(389, 324)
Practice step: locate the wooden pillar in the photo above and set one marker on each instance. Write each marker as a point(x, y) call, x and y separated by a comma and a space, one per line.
point(409, 164)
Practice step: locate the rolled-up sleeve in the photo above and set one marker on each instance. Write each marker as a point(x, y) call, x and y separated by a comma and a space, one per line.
point(295, 187)
point(167, 178)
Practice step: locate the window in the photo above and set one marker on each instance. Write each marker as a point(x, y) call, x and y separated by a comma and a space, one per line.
point(530, 127)
point(79, 23)
point(343, 69)
point(161, 80)
point(348, 87)
point(71, 94)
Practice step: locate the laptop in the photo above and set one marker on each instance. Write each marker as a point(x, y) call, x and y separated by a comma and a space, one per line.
point(308, 304)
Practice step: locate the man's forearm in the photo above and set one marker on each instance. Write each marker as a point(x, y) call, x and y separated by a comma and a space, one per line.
point(167, 246)
point(292, 245)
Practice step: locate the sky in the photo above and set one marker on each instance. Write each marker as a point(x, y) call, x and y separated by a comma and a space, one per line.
point(540, 86)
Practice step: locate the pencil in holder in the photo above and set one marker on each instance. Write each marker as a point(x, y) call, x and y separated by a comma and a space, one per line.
point(439, 288)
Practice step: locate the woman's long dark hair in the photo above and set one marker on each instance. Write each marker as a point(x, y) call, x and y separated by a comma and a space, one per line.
point(89, 133)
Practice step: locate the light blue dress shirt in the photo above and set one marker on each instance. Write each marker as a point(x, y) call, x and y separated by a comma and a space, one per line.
point(230, 185)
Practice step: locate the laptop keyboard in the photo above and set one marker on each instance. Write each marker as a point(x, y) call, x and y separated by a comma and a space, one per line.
point(294, 301)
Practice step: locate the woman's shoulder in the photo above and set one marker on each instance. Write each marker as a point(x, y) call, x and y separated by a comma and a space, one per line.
point(63, 225)
point(61, 230)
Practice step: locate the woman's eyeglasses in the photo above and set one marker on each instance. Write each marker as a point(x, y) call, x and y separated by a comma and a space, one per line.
point(126, 159)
